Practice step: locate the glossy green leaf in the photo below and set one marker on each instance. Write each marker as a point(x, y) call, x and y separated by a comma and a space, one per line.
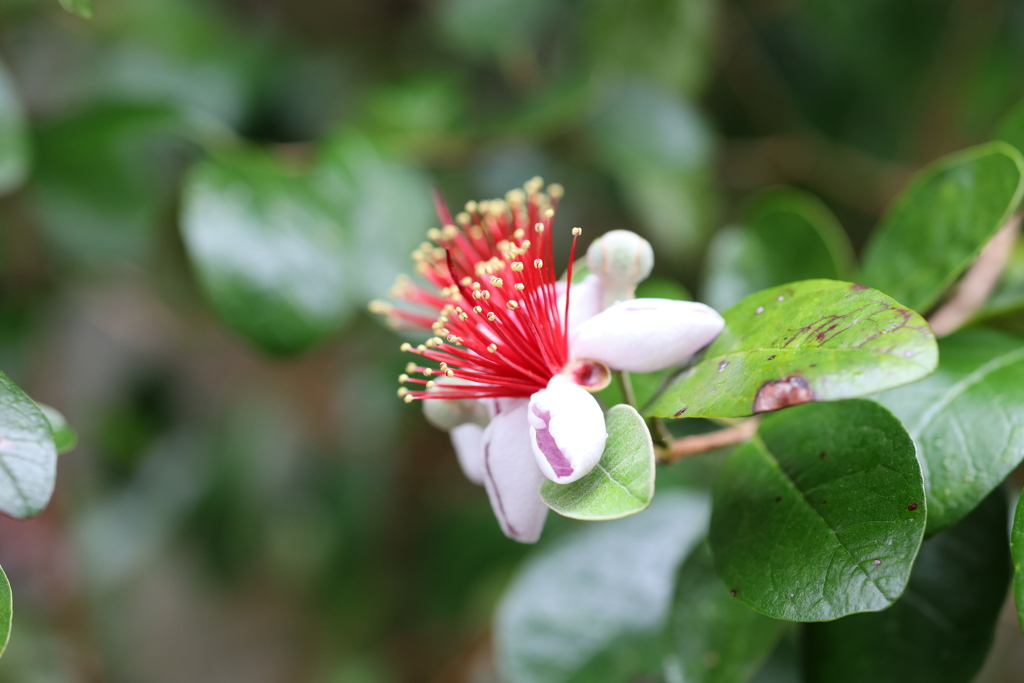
point(1017, 555)
point(967, 420)
point(268, 251)
point(937, 227)
point(941, 629)
point(14, 139)
point(28, 458)
point(621, 484)
point(64, 437)
point(80, 8)
point(784, 235)
point(816, 340)
point(6, 611)
point(590, 608)
point(712, 636)
point(822, 514)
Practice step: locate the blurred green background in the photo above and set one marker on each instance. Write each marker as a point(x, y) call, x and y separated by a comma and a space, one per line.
point(233, 514)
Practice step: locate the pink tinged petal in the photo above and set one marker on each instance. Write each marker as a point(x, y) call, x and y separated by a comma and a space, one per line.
point(468, 441)
point(644, 335)
point(511, 475)
point(566, 430)
point(584, 300)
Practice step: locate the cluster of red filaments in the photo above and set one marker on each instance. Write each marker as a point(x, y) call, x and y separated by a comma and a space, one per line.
point(489, 297)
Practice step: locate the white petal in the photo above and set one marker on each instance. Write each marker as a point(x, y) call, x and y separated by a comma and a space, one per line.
point(644, 335)
point(566, 430)
point(511, 475)
point(584, 300)
point(468, 441)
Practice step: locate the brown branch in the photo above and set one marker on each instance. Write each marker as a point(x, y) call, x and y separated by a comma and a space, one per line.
point(978, 283)
point(702, 443)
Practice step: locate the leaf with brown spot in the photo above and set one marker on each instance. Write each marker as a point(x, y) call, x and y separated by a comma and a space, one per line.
point(830, 341)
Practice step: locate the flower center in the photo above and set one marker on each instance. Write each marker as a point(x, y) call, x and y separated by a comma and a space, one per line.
point(500, 318)
point(592, 375)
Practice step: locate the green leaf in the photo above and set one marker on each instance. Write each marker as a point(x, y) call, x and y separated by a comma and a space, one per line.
point(784, 235)
point(621, 484)
point(28, 458)
point(80, 8)
point(591, 608)
point(14, 139)
point(6, 611)
point(268, 252)
point(1017, 555)
point(64, 437)
point(967, 420)
point(816, 340)
point(822, 514)
point(712, 636)
point(939, 224)
point(942, 627)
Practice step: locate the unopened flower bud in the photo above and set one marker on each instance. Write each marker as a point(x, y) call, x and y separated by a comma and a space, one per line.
point(621, 259)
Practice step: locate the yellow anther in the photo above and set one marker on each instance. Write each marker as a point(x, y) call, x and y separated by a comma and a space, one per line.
point(533, 185)
point(449, 232)
point(444, 366)
point(512, 305)
point(492, 348)
point(549, 213)
point(538, 263)
point(434, 234)
point(520, 286)
point(427, 372)
point(478, 309)
point(408, 398)
point(487, 295)
point(437, 341)
point(556, 190)
point(449, 373)
point(406, 347)
point(497, 281)
point(517, 266)
point(577, 232)
point(421, 348)
point(410, 367)
point(402, 392)
point(519, 234)
point(430, 384)
point(539, 227)
point(403, 378)
point(471, 207)
point(491, 317)
point(452, 338)
point(526, 245)
point(477, 294)
point(462, 218)
point(380, 307)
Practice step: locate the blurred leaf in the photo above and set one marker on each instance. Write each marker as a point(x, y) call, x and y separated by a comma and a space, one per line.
point(621, 484)
point(64, 437)
point(1011, 128)
point(28, 459)
point(666, 40)
point(822, 514)
point(712, 637)
point(967, 420)
point(1017, 555)
point(104, 175)
point(268, 252)
point(662, 288)
point(938, 225)
point(492, 27)
point(942, 627)
point(386, 204)
point(784, 235)
point(590, 607)
point(640, 125)
point(15, 152)
point(6, 611)
point(80, 8)
point(658, 147)
point(816, 340)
